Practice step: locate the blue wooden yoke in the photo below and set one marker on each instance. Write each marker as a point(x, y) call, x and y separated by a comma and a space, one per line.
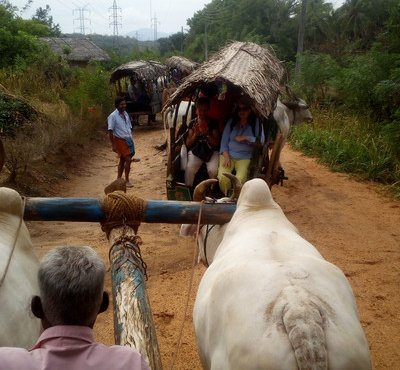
point(156, 211)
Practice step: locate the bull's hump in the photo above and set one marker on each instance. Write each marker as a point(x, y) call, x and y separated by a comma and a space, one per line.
point(10, 201)
point(255, 193)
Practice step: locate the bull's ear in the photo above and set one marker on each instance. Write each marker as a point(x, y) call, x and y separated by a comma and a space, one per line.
point(104, 303)
point(36, 307)
point(291, 104)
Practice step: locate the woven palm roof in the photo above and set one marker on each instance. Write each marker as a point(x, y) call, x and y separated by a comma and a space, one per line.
point(255, 70)
point(75, 49)
point(183, 64)
point(143, 69)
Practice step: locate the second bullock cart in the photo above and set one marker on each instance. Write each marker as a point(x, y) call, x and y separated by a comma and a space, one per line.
point(141, 83)
point(180, 67)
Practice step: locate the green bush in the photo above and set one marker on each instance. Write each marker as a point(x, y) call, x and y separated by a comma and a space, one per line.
point(318, 71)
point(350, 144)
point(14, 113)
point(90, 91)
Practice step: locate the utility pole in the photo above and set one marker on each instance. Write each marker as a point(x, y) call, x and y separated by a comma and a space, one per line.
point(137, 40)
point(206, 39)
point(115, 18)
point(151, 16)
point(80, 20)
point(300, 38)
point(182, 40)
point(154, 26)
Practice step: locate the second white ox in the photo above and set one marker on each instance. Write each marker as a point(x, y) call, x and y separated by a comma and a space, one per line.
point(18, 275)
point(291, 113)
point(269, 300)
point(168, 119)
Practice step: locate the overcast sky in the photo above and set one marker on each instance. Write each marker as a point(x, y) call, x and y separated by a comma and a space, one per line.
point(171, 15)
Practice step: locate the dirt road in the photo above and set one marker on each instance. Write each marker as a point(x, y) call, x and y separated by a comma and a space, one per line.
point(352, 224)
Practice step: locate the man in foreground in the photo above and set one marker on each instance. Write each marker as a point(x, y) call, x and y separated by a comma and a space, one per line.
point(120, 133)
point(71, 281)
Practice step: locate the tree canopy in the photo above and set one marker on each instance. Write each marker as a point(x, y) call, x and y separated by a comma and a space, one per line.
point(19, 38)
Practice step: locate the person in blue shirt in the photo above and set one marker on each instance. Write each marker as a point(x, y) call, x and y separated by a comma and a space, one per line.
point(237, 143)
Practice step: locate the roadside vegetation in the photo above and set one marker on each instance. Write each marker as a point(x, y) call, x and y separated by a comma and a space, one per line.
point(349, 75)
point(49, 111)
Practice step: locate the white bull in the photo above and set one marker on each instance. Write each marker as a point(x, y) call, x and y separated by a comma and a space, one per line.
point(168, 117)
point(291, 113)
point(18, 275)
point(285, 114)
point(269, 300)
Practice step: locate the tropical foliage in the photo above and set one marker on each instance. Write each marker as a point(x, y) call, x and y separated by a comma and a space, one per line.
point(350, 67)
point(351, 64)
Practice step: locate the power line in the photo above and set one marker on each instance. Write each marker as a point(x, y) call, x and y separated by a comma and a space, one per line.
point(94, 10)
point(66, 6)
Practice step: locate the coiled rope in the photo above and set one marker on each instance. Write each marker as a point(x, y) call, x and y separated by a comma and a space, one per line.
point(122, 209)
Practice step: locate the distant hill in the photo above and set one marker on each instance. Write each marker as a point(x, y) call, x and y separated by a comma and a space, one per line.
point(123, 44)
point(146, 34)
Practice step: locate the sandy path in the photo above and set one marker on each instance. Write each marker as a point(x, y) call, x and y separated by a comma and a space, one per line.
point(351, 223)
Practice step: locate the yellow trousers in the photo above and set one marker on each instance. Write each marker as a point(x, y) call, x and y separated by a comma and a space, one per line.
point(241, 167)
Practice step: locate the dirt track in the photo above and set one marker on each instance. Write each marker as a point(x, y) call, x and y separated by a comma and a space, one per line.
point(352, 224)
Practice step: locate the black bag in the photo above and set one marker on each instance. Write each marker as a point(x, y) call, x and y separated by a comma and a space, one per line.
point(203, 150)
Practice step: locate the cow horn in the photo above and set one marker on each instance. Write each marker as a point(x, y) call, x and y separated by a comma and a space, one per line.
point(236, 185)
point(200, 189)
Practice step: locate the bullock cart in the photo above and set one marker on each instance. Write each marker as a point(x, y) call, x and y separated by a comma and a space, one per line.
point(239, 69)
point(141, 83)
point(180, 67)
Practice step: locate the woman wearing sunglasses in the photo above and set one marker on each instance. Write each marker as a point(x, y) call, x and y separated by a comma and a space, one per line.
point(238, 139)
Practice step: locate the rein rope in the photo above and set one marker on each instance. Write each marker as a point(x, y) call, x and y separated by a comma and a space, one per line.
point(178, 346)
point(14, 243)
point(208, 229)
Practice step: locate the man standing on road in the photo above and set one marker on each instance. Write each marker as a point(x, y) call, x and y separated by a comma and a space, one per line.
point(120, 133)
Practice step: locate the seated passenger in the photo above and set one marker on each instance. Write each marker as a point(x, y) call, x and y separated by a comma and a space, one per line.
point(71, 283)
point(238, 139)
point(202, 142)
point(138, 95)
point(221, 103)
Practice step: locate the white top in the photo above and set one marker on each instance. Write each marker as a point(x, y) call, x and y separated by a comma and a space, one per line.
point(120, 124)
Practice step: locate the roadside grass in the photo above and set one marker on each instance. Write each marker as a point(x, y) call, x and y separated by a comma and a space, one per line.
point(351, 144)
point(69, 108)
point(43, 149)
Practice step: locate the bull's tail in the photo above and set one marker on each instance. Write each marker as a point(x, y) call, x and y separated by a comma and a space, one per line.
point(303, 322)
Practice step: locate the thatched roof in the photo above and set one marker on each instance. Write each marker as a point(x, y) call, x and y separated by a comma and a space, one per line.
point(75, 49)
point(255, 70)
point(143, 69)
point(183, 64)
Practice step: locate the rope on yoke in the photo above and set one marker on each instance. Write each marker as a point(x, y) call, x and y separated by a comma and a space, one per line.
point(131, 247)
point(122, 209)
